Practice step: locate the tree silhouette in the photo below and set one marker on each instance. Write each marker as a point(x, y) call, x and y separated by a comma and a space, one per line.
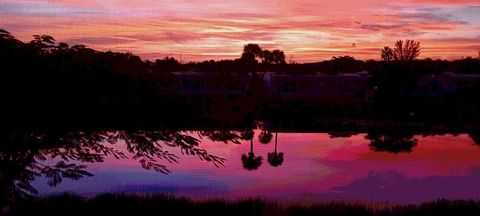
point(265, 137)
point(251, 52)
point(6, 35)
point(387, 54)
point(275, 158)
point(167, 64)
point(273, 57)
point(393, 142)
point(222, 136)
point(406, 51)
point(475, 137)
point(45, 43)
point(24, 155)
point(250, 161)
point(267, 57)
point(278, 57)
point(344, 64)
point(247, 134)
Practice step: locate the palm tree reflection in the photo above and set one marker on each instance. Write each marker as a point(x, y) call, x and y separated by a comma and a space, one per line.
point(265, 136)
point(250, 161)
point(275, 158)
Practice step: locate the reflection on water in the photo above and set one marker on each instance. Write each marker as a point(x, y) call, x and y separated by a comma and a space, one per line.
point(54, 156)
point(379, 166)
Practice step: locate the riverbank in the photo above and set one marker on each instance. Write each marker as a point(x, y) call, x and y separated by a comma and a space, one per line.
point(168, 205)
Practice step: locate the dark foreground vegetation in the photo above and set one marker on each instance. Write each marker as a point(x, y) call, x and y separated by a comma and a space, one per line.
point(167, 205)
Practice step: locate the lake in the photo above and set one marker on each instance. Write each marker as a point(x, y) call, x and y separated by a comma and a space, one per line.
point(307, 167)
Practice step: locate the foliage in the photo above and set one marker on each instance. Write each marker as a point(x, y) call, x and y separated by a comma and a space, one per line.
point(265, 137)
point(275, 158)
point(387, 54)
point(253, 52)
point(393, 141)
point(251, 162)
point(25, 155)
point(406, 51)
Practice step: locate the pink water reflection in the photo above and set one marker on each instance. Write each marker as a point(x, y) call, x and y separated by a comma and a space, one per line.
point(316, 167)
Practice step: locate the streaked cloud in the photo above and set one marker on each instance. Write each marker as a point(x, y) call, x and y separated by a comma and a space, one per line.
point(211, 29)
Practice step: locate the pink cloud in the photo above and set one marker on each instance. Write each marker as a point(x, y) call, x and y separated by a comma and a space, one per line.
point(310, 31)
point(444, 2)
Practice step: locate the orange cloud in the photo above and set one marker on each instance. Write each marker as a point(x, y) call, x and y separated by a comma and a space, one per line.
point(308, 31)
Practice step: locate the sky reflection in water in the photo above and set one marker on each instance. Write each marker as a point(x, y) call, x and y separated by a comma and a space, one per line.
point(316, 167)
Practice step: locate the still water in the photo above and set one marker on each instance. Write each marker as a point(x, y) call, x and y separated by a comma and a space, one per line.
point(309, 167)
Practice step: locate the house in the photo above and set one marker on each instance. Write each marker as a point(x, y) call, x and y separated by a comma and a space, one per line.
point(337, 89)
point(192, 82)
point(445, 84)
point(341, 88)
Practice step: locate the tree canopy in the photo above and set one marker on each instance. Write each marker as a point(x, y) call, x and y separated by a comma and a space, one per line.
point(387, 54)
point(406, 51)
point(253, 52)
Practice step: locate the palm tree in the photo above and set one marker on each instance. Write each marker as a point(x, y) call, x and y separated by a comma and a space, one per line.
point(275, 158)
point(250, 161)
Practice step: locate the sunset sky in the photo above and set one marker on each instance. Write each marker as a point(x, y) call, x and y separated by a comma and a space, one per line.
point(307, 31)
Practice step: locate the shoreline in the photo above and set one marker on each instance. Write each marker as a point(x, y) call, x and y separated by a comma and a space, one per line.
point(122, 203)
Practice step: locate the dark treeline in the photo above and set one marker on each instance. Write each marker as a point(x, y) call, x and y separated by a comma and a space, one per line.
point(45, 83)
point(336, 65)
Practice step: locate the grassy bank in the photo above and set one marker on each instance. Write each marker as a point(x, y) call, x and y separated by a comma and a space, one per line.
point(168, 205)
